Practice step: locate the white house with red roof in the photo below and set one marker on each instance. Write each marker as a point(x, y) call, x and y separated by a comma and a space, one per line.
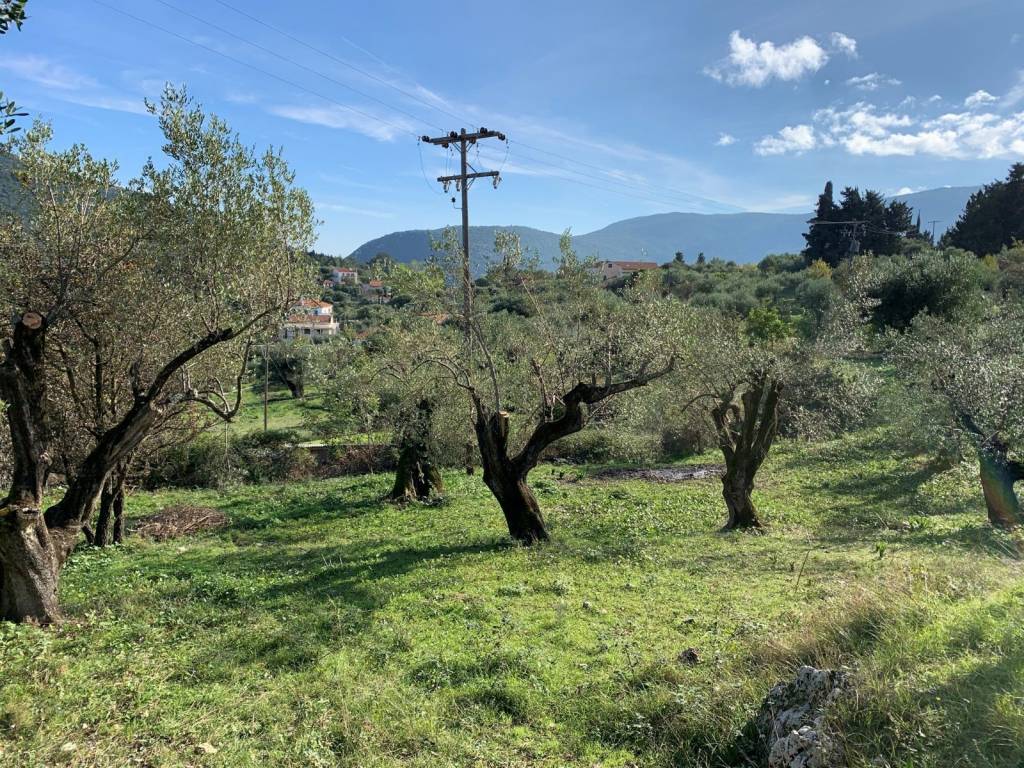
point(310, 318)
point(612, 270)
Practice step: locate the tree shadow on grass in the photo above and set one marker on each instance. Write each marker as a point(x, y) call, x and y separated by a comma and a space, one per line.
point(308, 603)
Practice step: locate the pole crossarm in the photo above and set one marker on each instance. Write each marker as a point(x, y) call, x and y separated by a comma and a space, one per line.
point(461, 176)
point(455, 138)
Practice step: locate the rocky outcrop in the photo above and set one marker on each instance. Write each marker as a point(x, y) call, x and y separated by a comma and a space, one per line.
point(792, 725)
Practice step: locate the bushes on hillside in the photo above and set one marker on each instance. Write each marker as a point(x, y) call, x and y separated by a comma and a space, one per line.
point(605, 446)
point(947, 284)
point(215, 461)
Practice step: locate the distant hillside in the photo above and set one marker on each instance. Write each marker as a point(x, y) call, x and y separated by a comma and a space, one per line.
point(742, 237)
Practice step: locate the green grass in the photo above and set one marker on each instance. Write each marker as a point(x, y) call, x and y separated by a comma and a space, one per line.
point(283, 412)
point(325, 628)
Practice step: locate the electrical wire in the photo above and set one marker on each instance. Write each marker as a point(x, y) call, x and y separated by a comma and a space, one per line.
point(400, 128)
point(608, 177)
point(295, 63)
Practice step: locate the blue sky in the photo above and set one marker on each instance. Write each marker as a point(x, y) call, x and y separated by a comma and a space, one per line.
point(612, 109)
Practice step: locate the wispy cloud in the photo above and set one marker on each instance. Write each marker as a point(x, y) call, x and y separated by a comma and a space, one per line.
point(725, 140)
point(756, 64)
point(45, 72)
point(871, 82)
point(69, 85)
point(1016, 93)
point(134, 106)
point(368, 124)
point(342, 208)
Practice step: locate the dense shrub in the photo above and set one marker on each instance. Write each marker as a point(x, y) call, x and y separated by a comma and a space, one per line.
point(826, 400)
point(690, 437)
point(947, 284)
point(601, 446)
point(216, 461)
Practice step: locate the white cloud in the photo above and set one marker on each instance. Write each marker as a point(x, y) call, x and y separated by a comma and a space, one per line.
point(338, 117)
point(1015, 38)
point(47, 73)
point(862, 129)
point(792, 138)
point(755, 64)
point(134, 106)
point(1016, 92)
point(341, 208)
point(844, 44)
point(725, 140)
point(978, 98)
point(871, 82)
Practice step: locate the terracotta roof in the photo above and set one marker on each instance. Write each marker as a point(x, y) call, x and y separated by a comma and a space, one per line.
point(310, 319)
point(313, 303)
point(376, 283)
point(634, 266)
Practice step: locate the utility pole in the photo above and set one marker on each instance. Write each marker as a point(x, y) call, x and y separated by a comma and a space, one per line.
point(933, 222)
point(464, 141)
point(266, 380)
point(462, 181)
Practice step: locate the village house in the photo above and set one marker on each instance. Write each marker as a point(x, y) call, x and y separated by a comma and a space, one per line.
point(376, 292)
point(342, 275)
point(612, 270)
point(309, 318)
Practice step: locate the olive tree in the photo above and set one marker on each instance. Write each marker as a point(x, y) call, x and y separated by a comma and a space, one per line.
point(750, 375)
point(174, 269)
point(973, 372)
point(534, 380)
point(378, 385)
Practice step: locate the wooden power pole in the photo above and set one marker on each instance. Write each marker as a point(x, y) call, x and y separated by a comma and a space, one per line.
point(462, 180)
point(464, 141)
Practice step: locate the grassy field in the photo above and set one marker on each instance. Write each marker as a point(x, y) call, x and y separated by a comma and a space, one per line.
point(325, 628)
point(283, 411)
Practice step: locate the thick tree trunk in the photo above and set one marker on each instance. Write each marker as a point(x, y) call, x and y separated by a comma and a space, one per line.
point(101, 534)
point(998, 475)
point(737, 486)
point(746, 419)
point(522, 512)
point(507, 480)
point(117, 535)
point(29, 569)
point(506, 475)
point(416, 477)
point(110, 519)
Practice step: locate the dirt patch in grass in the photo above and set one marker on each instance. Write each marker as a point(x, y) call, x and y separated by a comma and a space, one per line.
point(178, 521)
point(663, 474)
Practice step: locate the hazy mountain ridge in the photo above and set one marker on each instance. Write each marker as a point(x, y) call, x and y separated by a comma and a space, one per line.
point(742, 237)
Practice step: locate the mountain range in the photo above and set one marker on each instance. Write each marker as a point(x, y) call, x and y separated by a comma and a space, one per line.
point(741, 237)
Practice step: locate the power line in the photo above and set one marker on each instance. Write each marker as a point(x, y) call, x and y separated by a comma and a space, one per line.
point(229, 57)
point(294, 63)
point(608, 177)
point(344, 63)
point(646, 191)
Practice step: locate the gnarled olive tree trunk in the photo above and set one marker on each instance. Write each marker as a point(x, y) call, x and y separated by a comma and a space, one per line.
point(34, 545)
point(999, 473)
point(506, 475)
point(110, 518)
point(746, 419)
point(416, 477)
